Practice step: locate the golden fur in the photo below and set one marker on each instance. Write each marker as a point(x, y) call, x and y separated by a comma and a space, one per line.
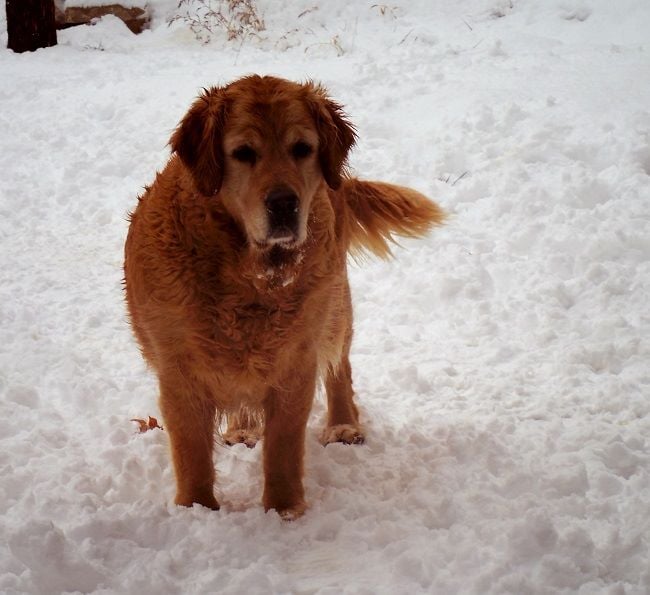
point(236, 278)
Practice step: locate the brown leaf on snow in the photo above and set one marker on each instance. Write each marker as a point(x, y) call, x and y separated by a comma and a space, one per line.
point(150, 424)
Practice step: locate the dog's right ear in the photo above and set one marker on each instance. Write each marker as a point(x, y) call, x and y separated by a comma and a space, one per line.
point(336, 135)
point(198, 140)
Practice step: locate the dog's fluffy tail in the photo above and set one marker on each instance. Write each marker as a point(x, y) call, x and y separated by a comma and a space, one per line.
point(378, 211)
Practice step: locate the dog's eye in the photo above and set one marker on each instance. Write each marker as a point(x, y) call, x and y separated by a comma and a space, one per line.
point(301, 150)
point(245, 154)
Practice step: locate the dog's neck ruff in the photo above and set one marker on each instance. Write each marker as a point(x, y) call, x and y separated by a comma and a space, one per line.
point(276, 268)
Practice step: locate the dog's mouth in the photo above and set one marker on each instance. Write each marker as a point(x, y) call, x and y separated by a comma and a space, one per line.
point(280, 254)
point(279, 242)
point(282, 244)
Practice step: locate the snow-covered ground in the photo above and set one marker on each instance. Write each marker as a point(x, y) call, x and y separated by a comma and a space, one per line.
point(502, 365)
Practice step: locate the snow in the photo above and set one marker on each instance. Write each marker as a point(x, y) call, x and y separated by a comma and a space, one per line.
point(501, 365)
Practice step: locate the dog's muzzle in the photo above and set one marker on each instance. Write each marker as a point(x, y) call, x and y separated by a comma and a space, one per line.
point(282, 207)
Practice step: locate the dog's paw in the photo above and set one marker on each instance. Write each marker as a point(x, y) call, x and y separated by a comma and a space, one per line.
point(345, 433)
point(288, 506)
point(242, 436)
point(207, 500)
point(293, 512)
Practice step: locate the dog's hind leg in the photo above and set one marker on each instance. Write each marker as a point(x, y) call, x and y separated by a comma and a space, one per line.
point(342, 413)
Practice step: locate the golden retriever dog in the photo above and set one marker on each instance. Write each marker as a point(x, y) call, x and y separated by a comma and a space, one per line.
point(236, 277)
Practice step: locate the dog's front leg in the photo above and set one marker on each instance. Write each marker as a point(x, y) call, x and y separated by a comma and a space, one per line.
point(286, 410)
point(189, 417)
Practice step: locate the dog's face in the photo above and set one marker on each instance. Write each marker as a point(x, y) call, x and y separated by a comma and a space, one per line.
point(271, 169)
point(264, 146)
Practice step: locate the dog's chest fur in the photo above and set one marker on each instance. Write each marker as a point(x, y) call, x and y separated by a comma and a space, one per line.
point(255, 313)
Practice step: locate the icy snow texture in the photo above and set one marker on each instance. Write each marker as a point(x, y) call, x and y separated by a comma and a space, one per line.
point(502, 365)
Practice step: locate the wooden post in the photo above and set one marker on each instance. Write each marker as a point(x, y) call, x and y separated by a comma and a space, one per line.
point(30, 24)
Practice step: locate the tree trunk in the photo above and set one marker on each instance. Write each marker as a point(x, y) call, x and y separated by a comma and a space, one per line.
point(30, 24)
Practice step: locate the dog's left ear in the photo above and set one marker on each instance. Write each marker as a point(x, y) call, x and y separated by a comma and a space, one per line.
point(198, 140)
point(336, 134)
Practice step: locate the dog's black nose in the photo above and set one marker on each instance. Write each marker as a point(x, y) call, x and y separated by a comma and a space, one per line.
point(282, 208)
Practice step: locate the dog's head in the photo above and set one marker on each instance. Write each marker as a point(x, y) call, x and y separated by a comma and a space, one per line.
point(265, 146)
